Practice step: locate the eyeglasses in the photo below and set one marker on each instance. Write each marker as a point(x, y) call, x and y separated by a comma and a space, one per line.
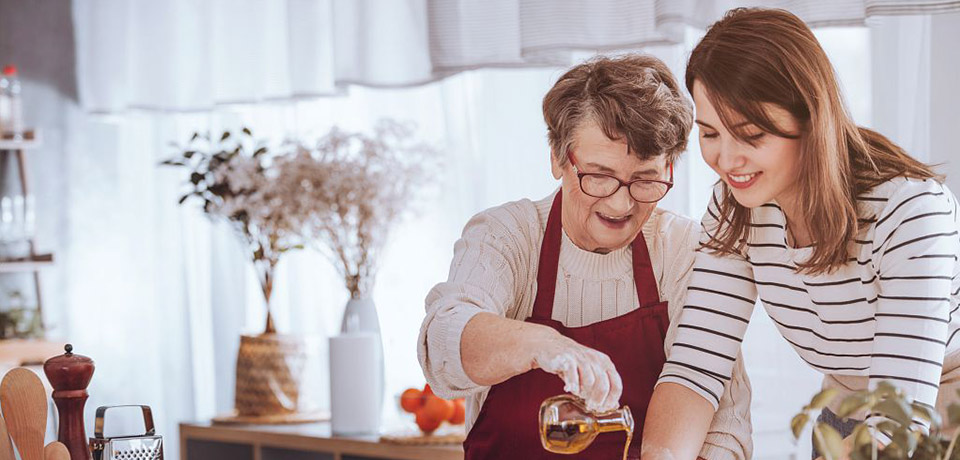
point(600, 185)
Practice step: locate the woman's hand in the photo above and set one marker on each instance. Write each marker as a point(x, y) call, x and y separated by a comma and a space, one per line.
point(586, 372)
point(494, 349)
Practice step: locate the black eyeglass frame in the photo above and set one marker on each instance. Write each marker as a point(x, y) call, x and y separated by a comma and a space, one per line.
point(581, 175)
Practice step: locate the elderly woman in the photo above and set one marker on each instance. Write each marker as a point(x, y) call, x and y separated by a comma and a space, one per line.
point(578, 291)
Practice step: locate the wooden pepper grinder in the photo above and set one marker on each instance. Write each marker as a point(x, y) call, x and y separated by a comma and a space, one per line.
point(70, 374)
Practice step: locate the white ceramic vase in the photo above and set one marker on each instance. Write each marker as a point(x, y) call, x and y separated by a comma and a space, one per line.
point(357, 371)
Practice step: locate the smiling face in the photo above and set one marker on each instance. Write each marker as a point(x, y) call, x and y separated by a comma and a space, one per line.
point(604, 224)
point(758, 173)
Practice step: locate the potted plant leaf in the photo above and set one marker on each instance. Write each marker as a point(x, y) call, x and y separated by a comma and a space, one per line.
point(895, 438)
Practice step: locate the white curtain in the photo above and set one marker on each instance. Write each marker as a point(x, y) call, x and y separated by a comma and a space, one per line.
point(196, 54)
point(158, 295)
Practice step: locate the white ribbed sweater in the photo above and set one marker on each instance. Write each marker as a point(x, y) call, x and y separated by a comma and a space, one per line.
point(494, 270)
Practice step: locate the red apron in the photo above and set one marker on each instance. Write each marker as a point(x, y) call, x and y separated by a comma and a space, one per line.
point(507, 426)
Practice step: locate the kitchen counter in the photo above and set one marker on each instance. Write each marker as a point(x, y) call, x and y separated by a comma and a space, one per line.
point(313, 441)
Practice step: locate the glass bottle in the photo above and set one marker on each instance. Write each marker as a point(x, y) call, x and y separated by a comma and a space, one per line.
point(567, 427)
point(11, 107)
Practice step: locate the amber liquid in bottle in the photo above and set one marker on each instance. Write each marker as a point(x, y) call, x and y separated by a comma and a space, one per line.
point(567, 427)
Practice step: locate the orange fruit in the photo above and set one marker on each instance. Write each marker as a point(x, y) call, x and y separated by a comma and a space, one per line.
point(427, 421)
point(411, 400)
point(438, 408)
point(459, 412)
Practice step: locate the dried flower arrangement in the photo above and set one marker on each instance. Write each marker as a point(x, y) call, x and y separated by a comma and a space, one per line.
point(907, 440)
point(359, 186)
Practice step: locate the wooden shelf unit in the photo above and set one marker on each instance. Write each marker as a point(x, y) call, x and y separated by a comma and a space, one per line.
point(21, 352)
point(29, 140)
point(33, 261)
point(26, 265)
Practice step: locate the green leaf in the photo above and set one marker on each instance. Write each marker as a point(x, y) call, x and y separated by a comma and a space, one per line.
point(798, 423)
point(828, 441)
point(896, 409)
point(953, 413)
point(955, 453)
point(886, 389)
point(922, 411)
point(189, 153)
point(905, 441)
point(225, 136)
point(184, 198)
point(853, 404)
point(821, 399)
point(247, 131)
point(861, 436)
point(888, 428)
point(894, 451)
point(857, 455)
point(195, 136)
point(260, 151)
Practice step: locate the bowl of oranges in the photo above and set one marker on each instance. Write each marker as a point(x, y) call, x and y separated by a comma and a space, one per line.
point(430, 410)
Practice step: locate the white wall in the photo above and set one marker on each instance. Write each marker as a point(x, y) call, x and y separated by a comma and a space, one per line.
point(945, 100)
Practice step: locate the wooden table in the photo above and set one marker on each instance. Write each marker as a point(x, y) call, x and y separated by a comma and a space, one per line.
point(311, 441)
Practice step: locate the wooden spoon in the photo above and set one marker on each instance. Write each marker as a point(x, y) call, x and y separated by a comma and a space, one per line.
point(6, 448)
point(23, 401)
point(56, 451)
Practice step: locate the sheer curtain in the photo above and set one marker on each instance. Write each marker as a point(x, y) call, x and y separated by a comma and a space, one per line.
point(158, 295)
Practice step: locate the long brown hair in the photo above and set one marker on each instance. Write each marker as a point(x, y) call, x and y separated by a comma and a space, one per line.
point(754, 56)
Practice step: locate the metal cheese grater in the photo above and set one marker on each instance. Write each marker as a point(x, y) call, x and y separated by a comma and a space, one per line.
point(148, 446)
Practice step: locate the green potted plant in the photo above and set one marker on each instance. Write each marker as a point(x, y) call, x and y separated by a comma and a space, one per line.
point(906, 440)
point(235, 179)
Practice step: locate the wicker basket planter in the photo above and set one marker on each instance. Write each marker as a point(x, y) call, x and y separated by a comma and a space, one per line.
point(269, 374)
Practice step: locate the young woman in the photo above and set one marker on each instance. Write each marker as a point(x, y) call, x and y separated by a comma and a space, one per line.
point(850, 244)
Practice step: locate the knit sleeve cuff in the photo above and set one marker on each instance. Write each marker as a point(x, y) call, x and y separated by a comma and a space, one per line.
point(447, 338)
point(716, 452)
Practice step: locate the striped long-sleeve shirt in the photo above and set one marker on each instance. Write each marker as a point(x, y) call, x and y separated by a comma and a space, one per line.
point(889, 314)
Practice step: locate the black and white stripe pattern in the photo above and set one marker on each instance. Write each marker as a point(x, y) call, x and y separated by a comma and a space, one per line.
point(888, 314)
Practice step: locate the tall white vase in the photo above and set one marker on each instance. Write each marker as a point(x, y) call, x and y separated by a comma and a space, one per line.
point(357, 371)
point(360, 315)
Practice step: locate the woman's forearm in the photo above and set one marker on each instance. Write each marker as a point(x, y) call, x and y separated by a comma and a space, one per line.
point(676, 425)
point(493, 348)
